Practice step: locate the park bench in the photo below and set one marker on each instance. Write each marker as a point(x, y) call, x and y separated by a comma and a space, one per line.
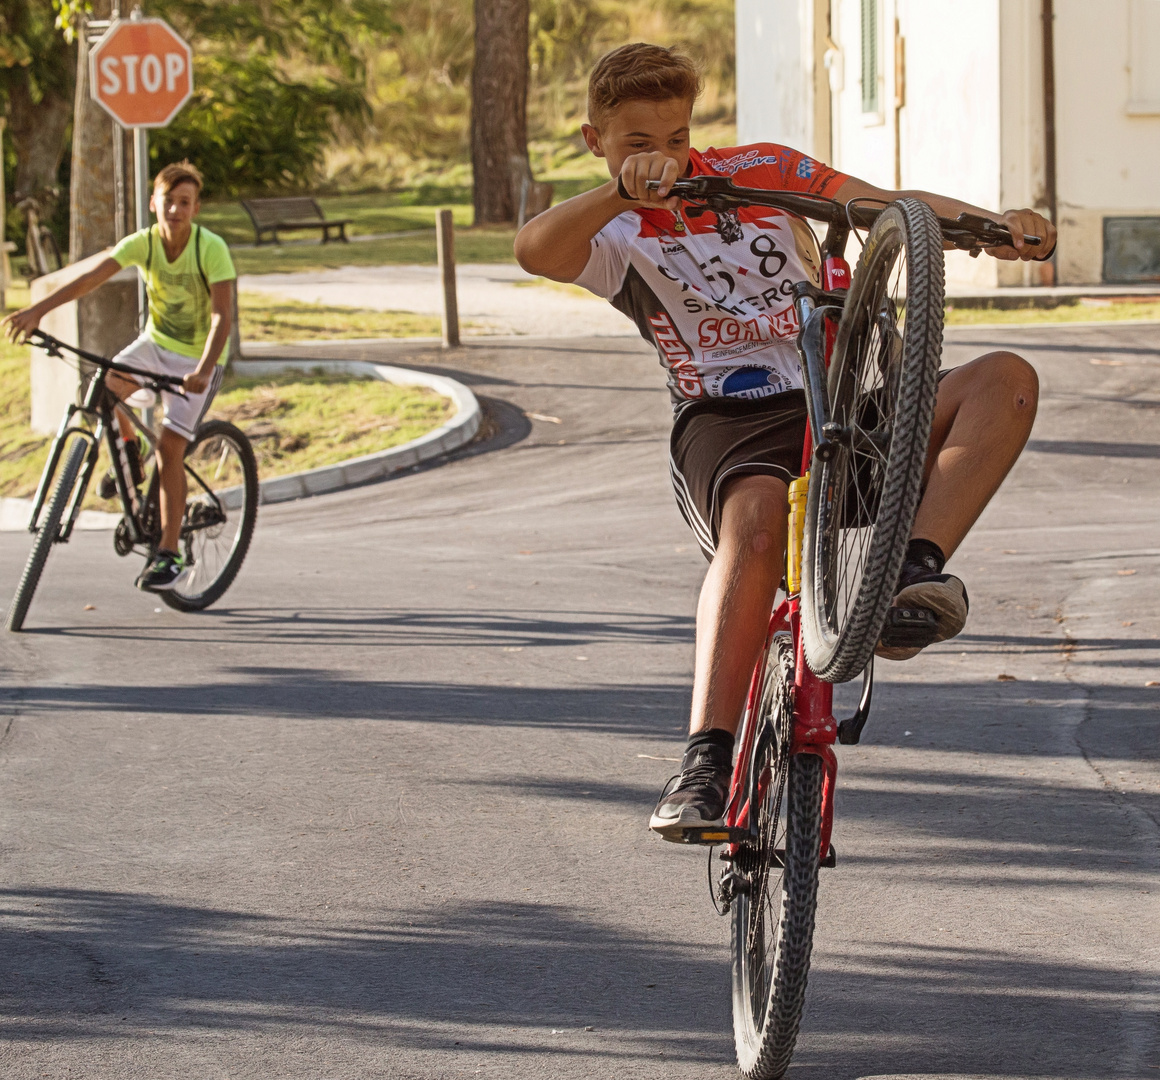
point(287, 214)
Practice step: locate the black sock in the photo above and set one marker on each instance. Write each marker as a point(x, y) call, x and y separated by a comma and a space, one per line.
point(927, 554)
point(714, 737)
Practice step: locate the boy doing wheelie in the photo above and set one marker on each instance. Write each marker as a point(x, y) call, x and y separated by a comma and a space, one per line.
point(187, 271)
point(713, 293)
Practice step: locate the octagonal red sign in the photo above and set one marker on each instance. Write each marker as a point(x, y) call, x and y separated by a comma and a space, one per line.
point(141, 72)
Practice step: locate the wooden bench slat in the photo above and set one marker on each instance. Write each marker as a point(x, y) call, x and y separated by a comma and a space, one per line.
point(291, 212)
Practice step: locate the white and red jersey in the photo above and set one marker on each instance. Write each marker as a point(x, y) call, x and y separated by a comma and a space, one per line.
point(714, 293)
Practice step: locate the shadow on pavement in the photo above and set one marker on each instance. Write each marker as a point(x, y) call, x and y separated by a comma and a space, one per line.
point(496, 978)
point(392, 628)
point(483, 974)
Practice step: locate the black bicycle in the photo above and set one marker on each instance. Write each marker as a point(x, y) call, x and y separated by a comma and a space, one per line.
point(220, 510)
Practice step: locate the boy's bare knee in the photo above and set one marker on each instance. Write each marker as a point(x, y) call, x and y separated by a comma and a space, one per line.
point(752, 511)
point(1013, 377)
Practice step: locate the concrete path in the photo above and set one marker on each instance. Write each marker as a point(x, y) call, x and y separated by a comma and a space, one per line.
point(381, 813)
point(497, 298)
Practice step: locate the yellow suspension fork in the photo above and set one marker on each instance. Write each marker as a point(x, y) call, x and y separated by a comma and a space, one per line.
point(797, 529)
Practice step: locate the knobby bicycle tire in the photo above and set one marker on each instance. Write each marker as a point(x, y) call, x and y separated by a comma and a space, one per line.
point(882, 383)
point(769, 978)
point(198, 592)
point(47, 533)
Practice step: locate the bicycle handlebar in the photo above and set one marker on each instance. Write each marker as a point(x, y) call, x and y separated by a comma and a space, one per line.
point(968, 231)
point(155, 382)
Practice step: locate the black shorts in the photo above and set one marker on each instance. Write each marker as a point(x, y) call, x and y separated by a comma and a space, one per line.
point(720, 438)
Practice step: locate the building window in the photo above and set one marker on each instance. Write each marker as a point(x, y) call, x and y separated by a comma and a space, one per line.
point(870, 103)
point(1132, 250)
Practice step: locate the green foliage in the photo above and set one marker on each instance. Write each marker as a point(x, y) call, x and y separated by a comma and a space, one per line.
point(33, 49)
point(249, 129)
point(419, 83)
point(275, 82)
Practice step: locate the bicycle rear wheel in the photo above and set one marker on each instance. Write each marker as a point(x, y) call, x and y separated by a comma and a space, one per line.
point(220, 512)
point(777, 887)
point(49, 529)
point(882, 384)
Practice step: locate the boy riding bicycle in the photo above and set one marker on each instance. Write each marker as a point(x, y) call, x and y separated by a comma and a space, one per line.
point(187, 271)
point(715, 301)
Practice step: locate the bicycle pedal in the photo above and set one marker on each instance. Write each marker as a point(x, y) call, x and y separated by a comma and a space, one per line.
point(107, 486)
point(711, 835)
point(909, 627)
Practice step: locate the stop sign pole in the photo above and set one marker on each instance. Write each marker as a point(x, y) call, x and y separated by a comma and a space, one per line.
point(141, 74)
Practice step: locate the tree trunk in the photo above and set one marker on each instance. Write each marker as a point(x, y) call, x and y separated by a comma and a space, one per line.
point(499, 105)
point(38, 132)
point(92, 201)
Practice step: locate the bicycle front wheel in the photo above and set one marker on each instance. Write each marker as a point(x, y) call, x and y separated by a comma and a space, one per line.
point(882, 384)
point(47, 533)
point(220, 512)
point(777, 885)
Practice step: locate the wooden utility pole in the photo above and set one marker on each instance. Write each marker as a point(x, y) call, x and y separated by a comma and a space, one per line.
point(93, 198)
point(445, 240)
point(499, 106)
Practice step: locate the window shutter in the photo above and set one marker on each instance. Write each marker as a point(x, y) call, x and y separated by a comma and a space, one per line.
point(870, 56)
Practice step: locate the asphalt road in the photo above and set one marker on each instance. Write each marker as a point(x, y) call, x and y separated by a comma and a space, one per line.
point(382, 812)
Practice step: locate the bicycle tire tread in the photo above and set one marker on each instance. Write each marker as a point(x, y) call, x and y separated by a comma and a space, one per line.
point(46, 535)
point(249, 518)
point(857, 640)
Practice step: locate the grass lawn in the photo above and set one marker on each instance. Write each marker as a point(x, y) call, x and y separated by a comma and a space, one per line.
point(484, 245)
point(1085, 310)
point(301, 420)
point(296, 420)
point(272, 318)
point(377, 212)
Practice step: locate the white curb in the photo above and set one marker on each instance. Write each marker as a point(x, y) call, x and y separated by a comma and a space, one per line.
point(457, 432)
point(14, 515)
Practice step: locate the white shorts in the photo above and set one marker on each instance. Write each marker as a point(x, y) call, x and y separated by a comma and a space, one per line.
point(182, 414)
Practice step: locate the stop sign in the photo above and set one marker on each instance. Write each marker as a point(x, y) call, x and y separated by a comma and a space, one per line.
point(141, 72)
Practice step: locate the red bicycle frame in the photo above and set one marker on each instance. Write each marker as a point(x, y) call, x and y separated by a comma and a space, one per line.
point(814, 728)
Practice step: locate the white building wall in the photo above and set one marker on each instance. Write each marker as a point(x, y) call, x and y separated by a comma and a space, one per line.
point(971, 122)
point(774, 58)
point(863, 143)
point(948, 120)
point(1107, 123)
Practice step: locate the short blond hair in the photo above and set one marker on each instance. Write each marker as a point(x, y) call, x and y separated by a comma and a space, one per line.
point(640, 72)
point(180, 172)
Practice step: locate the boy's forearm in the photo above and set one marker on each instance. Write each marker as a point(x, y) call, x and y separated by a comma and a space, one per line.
point(219, 334)
point(79, 287)
point(943, 205)
point(557, 243)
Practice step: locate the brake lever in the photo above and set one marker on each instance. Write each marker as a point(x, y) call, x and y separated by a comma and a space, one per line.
point(999, 233)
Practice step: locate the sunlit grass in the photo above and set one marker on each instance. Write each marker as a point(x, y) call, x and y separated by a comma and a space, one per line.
point(272, 318)
point(301, 420)
point(1085, 310)
point(490, 245)
point(296, 420)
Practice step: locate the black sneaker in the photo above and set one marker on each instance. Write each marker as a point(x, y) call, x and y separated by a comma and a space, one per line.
point(928, 607)
point(697, 798)
point(163, 573)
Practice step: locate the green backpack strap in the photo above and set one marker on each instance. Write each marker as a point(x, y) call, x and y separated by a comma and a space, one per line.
point(197, 259)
